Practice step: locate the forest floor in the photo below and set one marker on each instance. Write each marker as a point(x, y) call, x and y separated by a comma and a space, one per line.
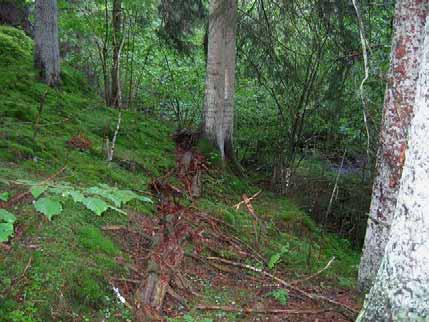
point(189, 252)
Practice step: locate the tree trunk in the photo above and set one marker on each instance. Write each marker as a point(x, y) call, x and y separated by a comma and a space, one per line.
point(398, 110)
point(230, 52)
point(116, 92)
point(215, 78)
point(47, 52)
point(401, 288)
point(218, 120)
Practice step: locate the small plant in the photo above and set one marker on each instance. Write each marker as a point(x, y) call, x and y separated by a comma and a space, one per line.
point(280, 295)
point(97, 199)
point(6, 225)
point(275, 258)
point(4, 196)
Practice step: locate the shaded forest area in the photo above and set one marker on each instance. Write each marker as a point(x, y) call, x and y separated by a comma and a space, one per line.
point(222, 160)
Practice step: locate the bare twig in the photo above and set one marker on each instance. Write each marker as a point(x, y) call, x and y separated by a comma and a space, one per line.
point(344, 309)
point(237, 206)
point(226, 308)
point(15, 281)
point(364, 45)
point(315, 274)
point(334, 191)
point(111, 146)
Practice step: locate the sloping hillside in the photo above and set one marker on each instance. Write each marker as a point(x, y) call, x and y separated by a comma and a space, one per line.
point(74, 244)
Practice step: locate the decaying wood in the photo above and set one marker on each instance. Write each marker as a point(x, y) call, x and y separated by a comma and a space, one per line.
point(167, 254)
point(344, 309)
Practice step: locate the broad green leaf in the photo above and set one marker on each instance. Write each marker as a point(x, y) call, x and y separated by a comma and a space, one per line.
point(4, 196)
point(49, 207)
point(96, 205)
point(6, 216)
point(107, 194)
point(62, 190)
point(118, 210)
point(125, 195)
point(77, 196)
point(36, 191)
point(6, 230)
point(144, 199)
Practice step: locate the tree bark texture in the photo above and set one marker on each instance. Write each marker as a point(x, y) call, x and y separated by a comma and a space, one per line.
point(401, 288)
point(220, 79)
point(47, 52)
point(398, 110)
point(117, 41)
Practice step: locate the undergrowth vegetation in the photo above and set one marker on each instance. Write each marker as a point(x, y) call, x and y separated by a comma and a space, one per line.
point(60, 269)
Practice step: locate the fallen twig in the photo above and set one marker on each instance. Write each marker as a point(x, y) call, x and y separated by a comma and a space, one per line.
point(226, 308)
point(344, 309)
point(15, 281)
point(237, 206)
point(315, 274)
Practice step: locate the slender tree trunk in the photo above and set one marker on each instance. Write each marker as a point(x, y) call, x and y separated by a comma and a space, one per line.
point(47, 52)
point(215, 78)
point(117, 40)
point(398, 109)
point(230, 52)
point(401, 288)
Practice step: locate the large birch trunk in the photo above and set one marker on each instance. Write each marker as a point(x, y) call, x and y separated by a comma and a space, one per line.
point(401, 289)
point(218, 114)
point(398, 110)
point(47, 52)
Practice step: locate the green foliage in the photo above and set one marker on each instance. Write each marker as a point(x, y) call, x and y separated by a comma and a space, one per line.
point(89, 197)
point(36, 191)
point(6, 216)
point(280, 295)
point(15, 46)
point(275, 258)
point(7, 220)
point(49, 207)
point(92, 239)
point(4, 196)
point(97, 206)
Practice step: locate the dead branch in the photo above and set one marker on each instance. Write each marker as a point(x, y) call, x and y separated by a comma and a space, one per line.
point(237, 206)
point(226, 308)
point(315, 274)
point(18, 279)
point(344, 309)
point(111, 146)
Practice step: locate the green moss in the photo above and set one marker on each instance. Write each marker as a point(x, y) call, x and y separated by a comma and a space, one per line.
point(67, 272)
point(92, 239)
point(15, 46)
point(88, 287)
point(210, 152)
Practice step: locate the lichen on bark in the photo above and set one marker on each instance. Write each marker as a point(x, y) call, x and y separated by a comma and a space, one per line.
point(401, 288)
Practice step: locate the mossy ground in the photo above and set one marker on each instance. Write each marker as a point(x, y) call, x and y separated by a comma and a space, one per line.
point(59, 270)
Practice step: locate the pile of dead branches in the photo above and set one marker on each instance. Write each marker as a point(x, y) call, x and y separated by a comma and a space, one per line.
point(167, 249)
